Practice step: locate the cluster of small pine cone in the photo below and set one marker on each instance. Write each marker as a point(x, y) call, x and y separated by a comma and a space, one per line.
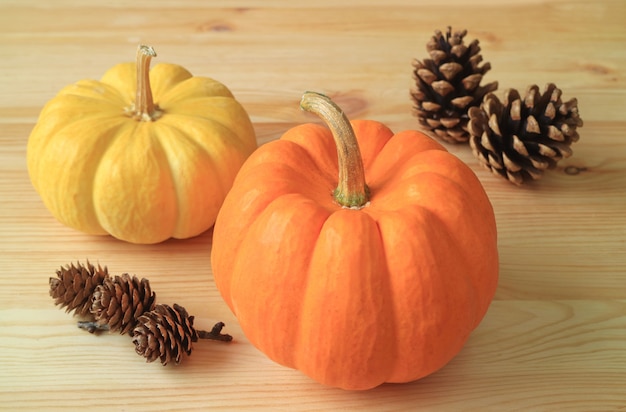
point(127, 304)
point(517, 138)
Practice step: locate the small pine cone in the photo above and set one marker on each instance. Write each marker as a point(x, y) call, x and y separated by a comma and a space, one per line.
point(519, 139)
point(120, 301)
point(165, 333)
point(74, 285)
point(448, 84)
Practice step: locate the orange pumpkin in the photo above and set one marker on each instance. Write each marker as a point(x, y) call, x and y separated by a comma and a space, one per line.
point(377, 276)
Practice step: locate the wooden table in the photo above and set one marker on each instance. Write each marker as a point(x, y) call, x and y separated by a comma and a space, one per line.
point(554, 338)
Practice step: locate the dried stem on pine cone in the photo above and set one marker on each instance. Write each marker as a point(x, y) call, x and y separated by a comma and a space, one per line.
point(215, 333)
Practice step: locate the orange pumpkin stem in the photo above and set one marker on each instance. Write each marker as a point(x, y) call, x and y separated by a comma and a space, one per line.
point(351, 191)
point(144, 108)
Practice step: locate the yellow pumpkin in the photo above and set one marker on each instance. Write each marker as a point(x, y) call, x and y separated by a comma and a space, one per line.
point(143, 155)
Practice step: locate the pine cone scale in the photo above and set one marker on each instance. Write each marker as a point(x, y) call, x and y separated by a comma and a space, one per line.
point(520, 147)
point(547, 151)
point(569, 106)
point(431, 106)
point(456, 132)
point(494, 124)
point(450, 122)
point(550, 111)
point(426, 76)
point(433, 122)
point(442, 87)
point(509, 164)
point(532, 125)
point(555, 134)
point(460, 50)
point(114, 320)
point(539, 164)
point(450, 70)
point(462, 102)
point(437, 55)
point(472, 81)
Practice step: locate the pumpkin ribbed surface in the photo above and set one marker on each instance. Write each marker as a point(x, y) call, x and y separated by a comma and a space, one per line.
point(101, 171)
point(389, 292)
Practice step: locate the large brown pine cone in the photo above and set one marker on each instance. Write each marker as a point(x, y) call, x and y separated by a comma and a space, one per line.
point(519, 138)
point(448, 84)
point(120, 301)
point(164, 333)
point(74, 285)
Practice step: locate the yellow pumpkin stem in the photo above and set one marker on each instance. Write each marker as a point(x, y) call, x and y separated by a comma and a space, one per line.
point(144, 108)
point(351, 191)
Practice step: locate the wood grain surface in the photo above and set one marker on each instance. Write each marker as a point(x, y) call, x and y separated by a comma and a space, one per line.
point(554, 339)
